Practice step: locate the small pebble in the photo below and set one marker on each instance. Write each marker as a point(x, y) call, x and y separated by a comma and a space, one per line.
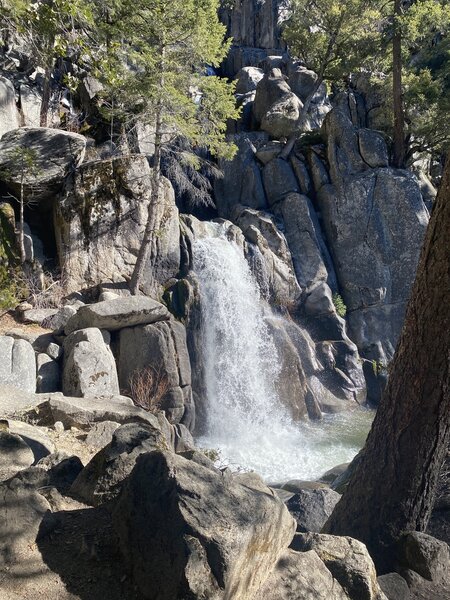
point(59, 427)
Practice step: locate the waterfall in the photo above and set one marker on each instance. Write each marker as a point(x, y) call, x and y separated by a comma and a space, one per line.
point(246, 422)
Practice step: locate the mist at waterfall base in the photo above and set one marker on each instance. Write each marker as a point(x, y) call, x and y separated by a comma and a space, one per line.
point(246, 422)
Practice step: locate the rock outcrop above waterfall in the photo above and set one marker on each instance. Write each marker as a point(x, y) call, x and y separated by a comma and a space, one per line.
point(100, 219)
point(51, 154)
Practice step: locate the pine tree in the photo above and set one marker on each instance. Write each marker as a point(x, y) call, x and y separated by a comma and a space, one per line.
point(154, 68)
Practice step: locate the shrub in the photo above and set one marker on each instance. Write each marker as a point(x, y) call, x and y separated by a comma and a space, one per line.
point(339, 305)
point(148, 387)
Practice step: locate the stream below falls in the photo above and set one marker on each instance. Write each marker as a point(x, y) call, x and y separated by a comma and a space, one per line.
point(246, 423)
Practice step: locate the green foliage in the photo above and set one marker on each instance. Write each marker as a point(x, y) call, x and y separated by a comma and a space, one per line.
point(49, 27)
point(339, 305)
point(152, 65)
point(332, 37)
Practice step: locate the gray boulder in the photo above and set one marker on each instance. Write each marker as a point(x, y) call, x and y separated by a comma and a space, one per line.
point(187, 530)
point(54, 351)
point(291, 384)
point(281, 119)
point(102, 478)
point(301, 172)
point(14, 400)
point(37, 315)
point(15, 454)
point(279, 180)
point(56, 153)
point(48, 374)
point(17, 364)
point(100, 434)
point(21, 512)
point(373, 148)
point(233, 187)
point(58, 321)
point(319, 301)
point(35, 438)
point(269, 151)
point(394, 586)
point(100, 221)
point(275, 270)
point(247, 79)
point(30, 105)
point(57, 470)
point(312, 262)
point(425, 555)
point(276, 108)
point(311, 508)
point(118, 313)
point(302, 82)
point(9, 115)
point(301, 575)
point(347, 560)
point(162, 347)
point(89, 366)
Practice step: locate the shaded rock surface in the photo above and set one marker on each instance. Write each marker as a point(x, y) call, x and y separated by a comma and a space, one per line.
point(311, 508)
point(179, 544)
point(101, 480)
point(55, 154)
point(162, 348)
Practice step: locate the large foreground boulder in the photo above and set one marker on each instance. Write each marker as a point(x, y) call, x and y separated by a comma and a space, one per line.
point(189, 531)
point(102, 478)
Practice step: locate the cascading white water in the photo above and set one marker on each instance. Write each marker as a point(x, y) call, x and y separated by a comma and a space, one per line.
point(245, 420)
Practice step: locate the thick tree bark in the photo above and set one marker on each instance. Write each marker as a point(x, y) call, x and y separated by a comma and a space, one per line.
point(399, 114)
point(393, 487)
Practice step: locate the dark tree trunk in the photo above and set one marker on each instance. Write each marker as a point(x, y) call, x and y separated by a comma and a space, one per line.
point(46, 93)
point(393, 488)
point(399, 115)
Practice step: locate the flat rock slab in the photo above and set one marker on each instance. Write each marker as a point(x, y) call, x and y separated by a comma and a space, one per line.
point(83, 412)
point(13, 400)
point(38, 315)
point(118, 313)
